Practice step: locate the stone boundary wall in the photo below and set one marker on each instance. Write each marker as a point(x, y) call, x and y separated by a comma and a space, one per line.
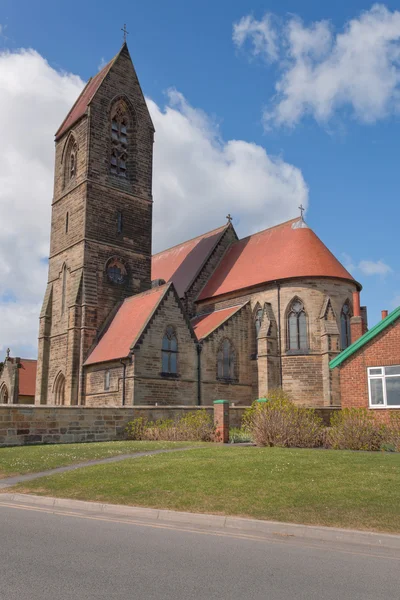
point(24, 425)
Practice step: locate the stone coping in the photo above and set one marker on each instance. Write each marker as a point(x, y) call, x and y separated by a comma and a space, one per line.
point(140, 407)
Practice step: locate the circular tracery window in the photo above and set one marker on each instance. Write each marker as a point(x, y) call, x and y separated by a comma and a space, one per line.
point(116, 271)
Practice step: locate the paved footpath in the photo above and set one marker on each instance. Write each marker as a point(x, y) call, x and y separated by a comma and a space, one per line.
point(66, 550)
point(10, 481)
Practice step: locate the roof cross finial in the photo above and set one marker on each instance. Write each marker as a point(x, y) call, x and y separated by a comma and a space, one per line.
point(228, 216)
point(301, 209)
point(8, 352)
point(125, 32)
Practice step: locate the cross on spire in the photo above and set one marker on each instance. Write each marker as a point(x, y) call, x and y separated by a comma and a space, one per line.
point(301, 209)
point(125, 32)
point(228, 216)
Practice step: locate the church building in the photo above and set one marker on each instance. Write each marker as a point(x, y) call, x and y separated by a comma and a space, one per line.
point(213, 317)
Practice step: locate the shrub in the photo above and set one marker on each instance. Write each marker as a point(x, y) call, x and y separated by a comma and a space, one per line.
point(279, 422)
point(355, 429)
point(194, 426)
point(392, 433)
point(136, 428)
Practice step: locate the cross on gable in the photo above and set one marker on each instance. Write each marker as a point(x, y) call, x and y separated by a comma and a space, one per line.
point(228, 216)
point(301, 209)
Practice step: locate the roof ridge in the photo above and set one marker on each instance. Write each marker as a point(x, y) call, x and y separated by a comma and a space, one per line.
point(191, 240)
point(365, 338)
point(212, 312)
point(147, 292)
point(269, 229)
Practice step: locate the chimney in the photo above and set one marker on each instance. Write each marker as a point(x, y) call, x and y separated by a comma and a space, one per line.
point(384, 314)
point(356, 321)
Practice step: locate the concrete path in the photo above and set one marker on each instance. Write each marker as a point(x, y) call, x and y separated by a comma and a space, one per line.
point(76, 553)
point(10, 481)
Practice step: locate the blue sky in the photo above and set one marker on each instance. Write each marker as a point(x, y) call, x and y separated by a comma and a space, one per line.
point(348, 158)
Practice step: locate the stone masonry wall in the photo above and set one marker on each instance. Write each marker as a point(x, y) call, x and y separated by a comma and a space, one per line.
point(26, 425)
point(237, 331)
point(150, 385)
point(305, 375)
point(21, 425)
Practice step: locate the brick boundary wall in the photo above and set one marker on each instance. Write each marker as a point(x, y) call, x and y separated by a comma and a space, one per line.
point(24, 425)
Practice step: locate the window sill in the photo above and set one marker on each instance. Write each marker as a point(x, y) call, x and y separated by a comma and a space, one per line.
point(170, 375)
point(384, 407)
point(227, 381)
point(297, 352)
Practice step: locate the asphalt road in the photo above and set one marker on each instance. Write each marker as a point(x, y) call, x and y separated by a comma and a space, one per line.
point(47, 556)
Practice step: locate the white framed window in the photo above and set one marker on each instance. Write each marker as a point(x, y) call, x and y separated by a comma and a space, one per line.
point(384, 386)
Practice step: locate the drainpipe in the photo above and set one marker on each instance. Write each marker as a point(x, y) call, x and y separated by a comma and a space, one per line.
point(199, 349)
point(278, 287)
point(124, 365)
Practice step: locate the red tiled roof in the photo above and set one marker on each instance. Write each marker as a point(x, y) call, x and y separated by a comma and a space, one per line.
point(183, 262)
point(27, 377)
point(206, 324)
point(80, 106)
point(126, 326)
point(281, 252)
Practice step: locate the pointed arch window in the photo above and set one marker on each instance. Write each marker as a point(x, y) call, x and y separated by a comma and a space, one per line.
point(226, 361)
point(297, 327)
point(59, 390)
point(119, 139)
point(3, 394)
point(169, 353)
point(345, 334)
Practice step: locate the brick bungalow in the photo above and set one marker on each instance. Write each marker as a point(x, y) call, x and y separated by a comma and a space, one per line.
point(370, 366)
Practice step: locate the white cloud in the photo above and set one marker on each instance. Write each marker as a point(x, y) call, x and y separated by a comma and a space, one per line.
point(371, 267)
point(198, 179)
point(34, 99)
point(261, 34)
point(347, 262)
point(322, 71)
point(366, 267)
point(203, 178)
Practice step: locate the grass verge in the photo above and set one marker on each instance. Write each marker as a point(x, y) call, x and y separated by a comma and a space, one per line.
point(320, 487)
point(32, 459)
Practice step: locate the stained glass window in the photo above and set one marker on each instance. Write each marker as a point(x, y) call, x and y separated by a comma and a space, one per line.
point(226, 359)
point(297, 327)
point(345, 335)
point(169, 354)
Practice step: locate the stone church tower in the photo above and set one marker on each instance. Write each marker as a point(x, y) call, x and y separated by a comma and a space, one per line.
point(100, 249)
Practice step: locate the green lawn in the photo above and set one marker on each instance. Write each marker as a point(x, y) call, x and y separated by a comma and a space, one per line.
point(31, 459)
point(325, 487)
